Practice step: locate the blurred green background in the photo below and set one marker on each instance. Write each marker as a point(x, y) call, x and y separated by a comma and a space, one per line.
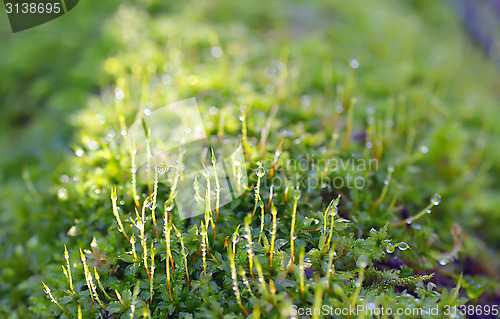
point(423, 51)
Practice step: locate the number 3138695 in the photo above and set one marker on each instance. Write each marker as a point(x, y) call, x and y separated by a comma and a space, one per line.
point(471, 310)
point(31, 7)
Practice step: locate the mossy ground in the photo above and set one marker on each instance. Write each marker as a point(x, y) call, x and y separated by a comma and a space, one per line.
point(422, 101)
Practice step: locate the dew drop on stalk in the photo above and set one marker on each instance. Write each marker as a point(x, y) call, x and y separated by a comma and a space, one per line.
point(162, 168)
point(442, 262)
point(390, 169)
point(169, 205)
point(428, 211)
point(403, 246)
point(390, 248)
point(122, 202)
point(205, 172)
point(297, 193)
point(362, 261)
point(261, 171)
point(409, 221)
point(236, 238)
point(435, 199)
point(148, 202)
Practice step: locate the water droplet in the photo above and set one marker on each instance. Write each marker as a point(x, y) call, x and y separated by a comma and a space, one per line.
point(403, 246)
point(122, 202)
point(236, 238)
point(386, 182)
point(424, 149)
point(435, 199)
point(294, 237)
point(339, 109)
point(362, 261)
point(99, 119)
point(216, 52)
point(119, 95)
point(442, 262)
point(390, 169)
point(65, 179)
point(148, 202)
point(261, 171)
point(93, 145)
point(428, 211)
point(169, 205)
point(79, 152)
point(147, 112)
point(354, 64)
point(390, 248)
point(297, 193)
point(212, 110)
point(162, 168)
point(205, 172)
point(62, 193)
point(409, 220)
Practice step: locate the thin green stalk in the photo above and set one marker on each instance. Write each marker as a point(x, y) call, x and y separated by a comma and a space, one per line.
point(318, 299)
point(387, 181)
point(249, 244)
point(166, 231)
point(274, 213)
point(70, 278)
point(98, 278)
point(184, 253)
point(151, 279)
point(217, 185)
point(296, 196)
point(333, 212)
point(234, 277)
point(262, 216)
point(46, 289)
point(301, 270)
point(114, 198)
point(260, 173)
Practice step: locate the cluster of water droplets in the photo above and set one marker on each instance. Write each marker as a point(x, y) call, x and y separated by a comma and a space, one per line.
point(390, 248)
